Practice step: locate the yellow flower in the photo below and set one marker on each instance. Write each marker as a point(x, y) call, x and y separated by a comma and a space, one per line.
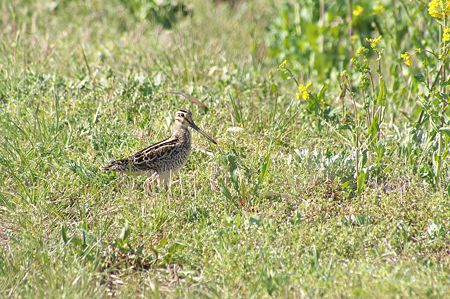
point(303, 91)
point(374, 41)
point(283, 64)
point(406, 58)
point(358, 10)
point(446, 36)
point(362, 51)
point(439, 8)
point(378, 9)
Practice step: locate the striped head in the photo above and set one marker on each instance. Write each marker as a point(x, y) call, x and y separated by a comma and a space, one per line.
point(183, 119)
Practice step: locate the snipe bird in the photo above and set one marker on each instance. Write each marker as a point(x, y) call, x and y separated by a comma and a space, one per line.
point(161, 160)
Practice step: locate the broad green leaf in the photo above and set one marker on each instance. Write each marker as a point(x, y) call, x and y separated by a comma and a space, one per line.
point(361, 182)
point(382, 93)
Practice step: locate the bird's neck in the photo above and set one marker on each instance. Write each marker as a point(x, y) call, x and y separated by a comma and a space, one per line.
point(181, 133)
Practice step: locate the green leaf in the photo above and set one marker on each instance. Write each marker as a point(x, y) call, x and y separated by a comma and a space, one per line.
point(321, 94)
point(76, 241)
point(264, 168)
point(125, 232)
point(363, 161)
point(420, 77)
point(225, 190)
point(234, 180)
point(175, 247)
point(374, 128)
point(297, 218)
point(361, 182)
point(232, 169)
point(445, 130)
point(382, 93)
point(442, 96)
point(64, 234)
point(163, 242)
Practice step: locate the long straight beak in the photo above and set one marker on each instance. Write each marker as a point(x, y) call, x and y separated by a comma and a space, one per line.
point(194, 126)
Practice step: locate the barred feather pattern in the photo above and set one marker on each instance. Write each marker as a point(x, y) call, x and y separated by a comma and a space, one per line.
point(167, 155)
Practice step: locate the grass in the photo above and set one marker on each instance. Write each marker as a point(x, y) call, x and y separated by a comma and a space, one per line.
point(271, 211)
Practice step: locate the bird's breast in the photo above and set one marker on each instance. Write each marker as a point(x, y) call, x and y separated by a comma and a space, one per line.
point(176, 159)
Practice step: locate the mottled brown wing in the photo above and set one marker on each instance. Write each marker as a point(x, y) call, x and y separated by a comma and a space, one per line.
point(147, 158)
point(143, 160)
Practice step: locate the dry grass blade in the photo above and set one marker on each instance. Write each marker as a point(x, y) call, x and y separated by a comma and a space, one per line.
point(193, 99)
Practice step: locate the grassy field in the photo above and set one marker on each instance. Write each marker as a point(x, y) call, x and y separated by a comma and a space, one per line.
point(341, 191)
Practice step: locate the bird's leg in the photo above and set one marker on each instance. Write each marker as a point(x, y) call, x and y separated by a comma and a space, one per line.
point(181, 187)
point(148, 184)
point(169, 178)
point(164, 181)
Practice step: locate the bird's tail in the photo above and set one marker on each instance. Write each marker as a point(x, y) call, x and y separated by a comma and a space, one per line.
point(118, 165)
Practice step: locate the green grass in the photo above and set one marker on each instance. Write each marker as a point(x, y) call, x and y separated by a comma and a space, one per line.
point(271, 211)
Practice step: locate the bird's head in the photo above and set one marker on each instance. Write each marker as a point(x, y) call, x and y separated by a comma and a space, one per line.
point(183, 119)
